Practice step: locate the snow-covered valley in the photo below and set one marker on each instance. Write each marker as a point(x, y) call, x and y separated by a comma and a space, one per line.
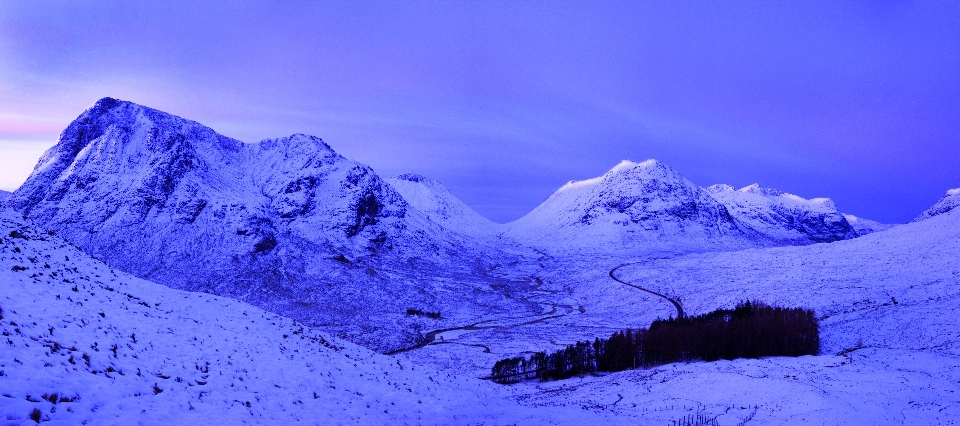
point(282, 269)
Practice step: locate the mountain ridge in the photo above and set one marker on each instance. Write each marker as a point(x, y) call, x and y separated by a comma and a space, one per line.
point(784, 217)
point(286, 224)
point(946, 204)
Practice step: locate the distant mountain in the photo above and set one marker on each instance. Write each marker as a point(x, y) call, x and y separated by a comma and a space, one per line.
point(4, 196)
point(286, 224)
point(949, 202)
point(440, 206)
point(866, 226)
point(783, 217)
point(634, 206)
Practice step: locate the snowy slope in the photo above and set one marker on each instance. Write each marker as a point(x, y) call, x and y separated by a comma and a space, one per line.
point(285, 224)
point(949, 202)
point(4, 196)
point(866, 226)
point(83, 343)
point(634, 206)
point(785, 218)
point(440, 206)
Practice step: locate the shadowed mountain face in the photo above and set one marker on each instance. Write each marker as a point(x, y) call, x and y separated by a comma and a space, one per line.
point(286, 224)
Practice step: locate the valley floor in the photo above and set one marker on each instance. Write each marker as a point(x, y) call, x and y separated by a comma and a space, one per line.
point(887, 306)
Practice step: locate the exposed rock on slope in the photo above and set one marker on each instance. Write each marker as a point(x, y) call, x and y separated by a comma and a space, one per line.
point(286, 224)
point(785, 218)
point(949, 202)
point(634, 206)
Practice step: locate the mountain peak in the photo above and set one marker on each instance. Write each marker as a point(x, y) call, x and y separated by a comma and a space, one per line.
point(718, 188)
point(625, 170)
point(440, 205)
point(105, 103)
point(413, 177)
point(625, 165)
point(757, 189)
point(643, 205)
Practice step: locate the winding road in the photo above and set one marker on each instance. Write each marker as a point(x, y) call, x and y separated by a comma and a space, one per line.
point(675, 303)
point(431, 337)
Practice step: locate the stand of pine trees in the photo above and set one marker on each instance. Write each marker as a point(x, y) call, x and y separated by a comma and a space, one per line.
point(751, 330)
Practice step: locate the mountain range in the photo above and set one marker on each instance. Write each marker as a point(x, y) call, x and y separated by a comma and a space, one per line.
point(291, 226)
point(330, 255)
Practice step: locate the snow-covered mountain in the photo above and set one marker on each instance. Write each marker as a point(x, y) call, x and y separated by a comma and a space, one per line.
point(866, 226)
point(783, 217)
point(86, 344)
point(4, 196)
point(634, 206)
point(286, 224)
point(949, 202)
point(440, 206)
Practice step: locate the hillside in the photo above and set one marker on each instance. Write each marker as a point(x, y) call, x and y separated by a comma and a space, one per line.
point(442, 207)
point(85, 343)
point(948, 203)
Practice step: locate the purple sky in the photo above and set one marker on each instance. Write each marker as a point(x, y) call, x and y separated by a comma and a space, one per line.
point(505, 102)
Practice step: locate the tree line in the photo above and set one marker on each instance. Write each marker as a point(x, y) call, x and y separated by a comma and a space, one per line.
point(422, 313)
point(750, 330)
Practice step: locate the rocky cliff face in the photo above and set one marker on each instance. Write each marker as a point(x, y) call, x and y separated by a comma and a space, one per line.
point(286, 224)
point(784, 218)
point(634, 206)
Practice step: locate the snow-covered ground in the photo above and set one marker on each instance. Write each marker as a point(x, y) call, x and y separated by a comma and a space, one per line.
point(886, 303)
point(83, 343)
